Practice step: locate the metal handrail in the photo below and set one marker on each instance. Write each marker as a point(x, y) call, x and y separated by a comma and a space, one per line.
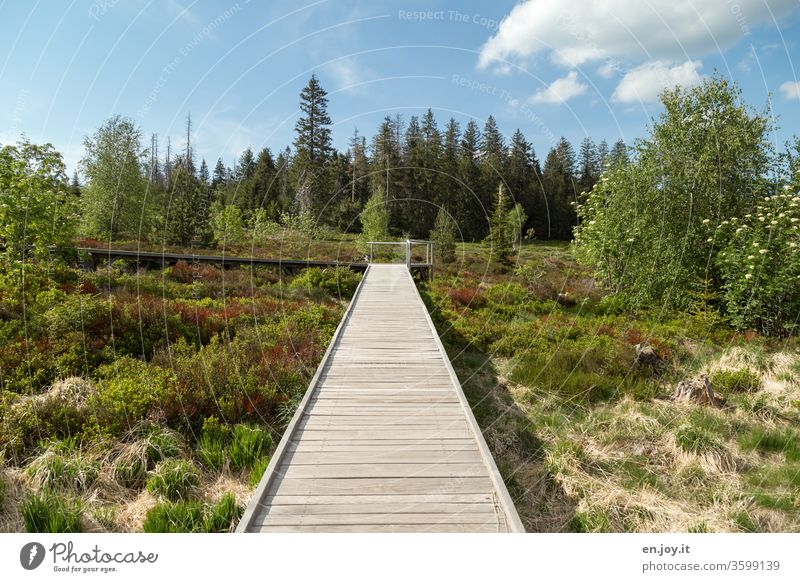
point(409, 243)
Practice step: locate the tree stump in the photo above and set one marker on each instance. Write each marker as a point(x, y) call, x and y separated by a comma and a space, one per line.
point(697, 390)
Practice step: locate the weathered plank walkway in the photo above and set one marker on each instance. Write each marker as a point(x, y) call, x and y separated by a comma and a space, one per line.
point(384, 440)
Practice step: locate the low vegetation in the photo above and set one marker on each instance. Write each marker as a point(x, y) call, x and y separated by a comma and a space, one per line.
point(586, 434)
point(151, 399)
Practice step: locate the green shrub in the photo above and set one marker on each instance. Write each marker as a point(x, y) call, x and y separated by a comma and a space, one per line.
point(46, 512)
point(336, 281)
point(2, 489)
point(130, 390)
point(173, 479)
point(696, 440)
point(248, 445)
point(506, 294)
point(75, 313)
point(735, 380)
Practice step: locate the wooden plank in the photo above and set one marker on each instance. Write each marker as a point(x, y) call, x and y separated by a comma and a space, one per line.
point(378, 434)
point(450, 445)
point(383, 528)
point(383, 470)
point(335, 422)
point(388, 509)
point(382, 519)
point(274, 500)
point(409, 485)
point(382, 457)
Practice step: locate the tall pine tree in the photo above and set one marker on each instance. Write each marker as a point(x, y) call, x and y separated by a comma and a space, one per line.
point(312, 149)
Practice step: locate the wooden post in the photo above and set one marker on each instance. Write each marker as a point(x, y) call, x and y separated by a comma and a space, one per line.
point(408, 254)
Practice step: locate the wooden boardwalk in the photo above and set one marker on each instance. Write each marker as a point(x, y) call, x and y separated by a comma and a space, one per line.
point(384, 440)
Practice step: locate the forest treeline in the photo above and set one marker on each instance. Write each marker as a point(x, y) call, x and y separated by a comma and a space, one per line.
point(416, 167)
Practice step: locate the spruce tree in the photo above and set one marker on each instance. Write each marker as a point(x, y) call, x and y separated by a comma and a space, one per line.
point(386, 163)
point(470, 209)
point(443, 237)
point(500, 237)
point(559, 182)
point(619, 153)
point(312, 148)
point(220, 177)
point(589, 165)
point(75, 185)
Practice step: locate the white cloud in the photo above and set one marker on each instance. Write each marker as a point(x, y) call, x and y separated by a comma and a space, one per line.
point(592, 30)
point(561, 90)
point(791, 90)
point(645, 82)
point(346, 73)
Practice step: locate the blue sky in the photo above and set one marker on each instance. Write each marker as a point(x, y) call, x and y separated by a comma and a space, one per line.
point(586, 67)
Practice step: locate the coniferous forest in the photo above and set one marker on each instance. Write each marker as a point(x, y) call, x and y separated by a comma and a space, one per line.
point(138, 188)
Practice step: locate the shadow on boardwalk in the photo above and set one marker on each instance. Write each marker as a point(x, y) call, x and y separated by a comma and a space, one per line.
point(542, 504)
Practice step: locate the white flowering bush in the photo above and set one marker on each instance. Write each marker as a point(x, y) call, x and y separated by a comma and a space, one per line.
point(648, 227)
point(760, 264)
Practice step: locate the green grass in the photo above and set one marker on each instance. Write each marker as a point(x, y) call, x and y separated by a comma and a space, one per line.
point(257, 471)
point(211, 451)
point(785, 502)
point(693, 439)
point(248, 445)
point(193, 516)
point(771, 441)
point(173, 479)
point(744, 522)
point(180, 517)
point(592, 521)
point(54, 470)
point(634, 473)
point(106, 516)
point(46, 512)
point(223, 516)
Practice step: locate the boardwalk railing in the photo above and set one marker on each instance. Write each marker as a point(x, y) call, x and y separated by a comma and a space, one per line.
point(95, 256)
point(407, 246)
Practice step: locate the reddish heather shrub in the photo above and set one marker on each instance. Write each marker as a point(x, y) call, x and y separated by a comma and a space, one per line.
point(182, 272)
point(467, 296)
point(634, 336)
point(606, 329)
point(87, 288)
